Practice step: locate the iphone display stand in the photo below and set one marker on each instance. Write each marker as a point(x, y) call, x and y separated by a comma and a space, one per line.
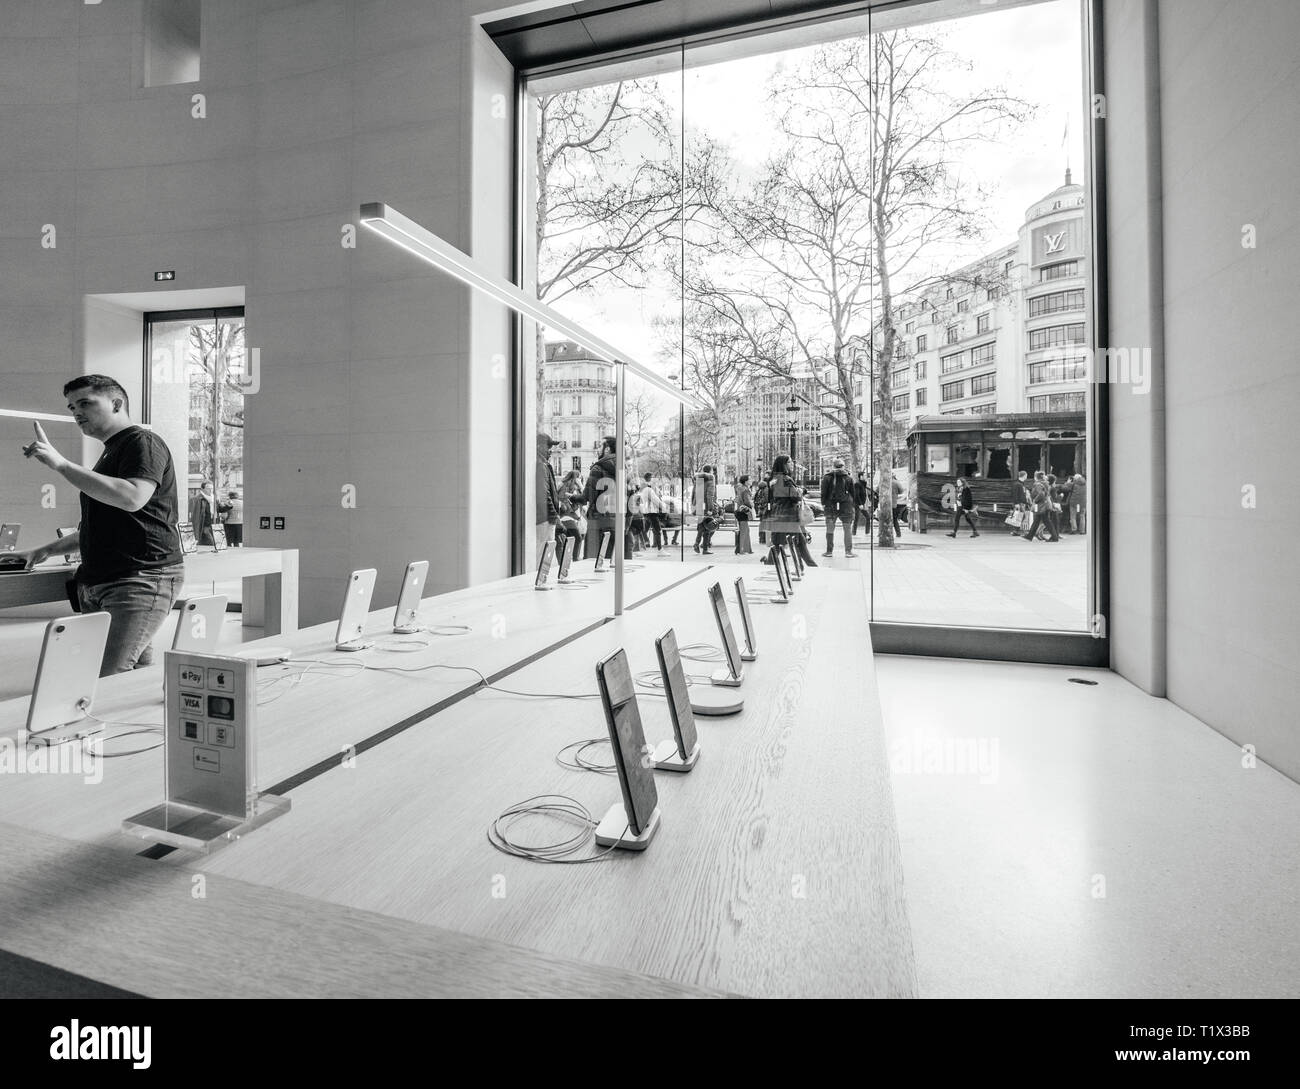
point(266, 656)
point(615, 830)
point(726, 679)
point(717, 710)
point(358, 644)
point(667, 757)
point(82, 729)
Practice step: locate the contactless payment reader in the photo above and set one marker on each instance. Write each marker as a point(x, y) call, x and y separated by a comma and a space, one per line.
point(210, 736)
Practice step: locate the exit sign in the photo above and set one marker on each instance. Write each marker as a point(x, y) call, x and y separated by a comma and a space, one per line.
point(170, 274)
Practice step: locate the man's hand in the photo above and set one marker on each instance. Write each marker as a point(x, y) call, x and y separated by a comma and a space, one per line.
point(43, 450)
point(35, 556)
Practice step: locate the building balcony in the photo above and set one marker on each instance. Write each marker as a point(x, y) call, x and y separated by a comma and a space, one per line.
point(559, 384)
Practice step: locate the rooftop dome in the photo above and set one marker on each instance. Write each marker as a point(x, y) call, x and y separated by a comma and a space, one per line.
point(1070, 195)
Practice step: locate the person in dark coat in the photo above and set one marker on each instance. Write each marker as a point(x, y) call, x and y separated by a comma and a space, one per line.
point(861, 499)
point(965, 508)
point(203, 513)
point(1040, 500)
point(1079, 505)
point(785, 496)
point(837, 506)
point(763, 508)
point(1054, 507)
point(601, 499)
point(1063, 490)
point(704, 499)
point(1020, 496)
point(546, 516)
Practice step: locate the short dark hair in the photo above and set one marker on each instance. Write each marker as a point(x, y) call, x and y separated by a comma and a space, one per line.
point(99, 383)
point(744, 479)
point(612, 442)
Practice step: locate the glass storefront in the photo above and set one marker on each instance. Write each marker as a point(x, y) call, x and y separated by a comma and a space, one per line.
point(865, 245)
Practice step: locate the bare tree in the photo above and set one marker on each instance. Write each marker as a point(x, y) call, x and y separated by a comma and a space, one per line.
point(217, 358)
point(863, 192)
point(639, 413)
point(715, 348)
point(611, 189)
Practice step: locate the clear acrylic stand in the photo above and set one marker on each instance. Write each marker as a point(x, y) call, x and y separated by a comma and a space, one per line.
point(191, 828)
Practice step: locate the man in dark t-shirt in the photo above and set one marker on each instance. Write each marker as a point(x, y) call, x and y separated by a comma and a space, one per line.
point(132, 566)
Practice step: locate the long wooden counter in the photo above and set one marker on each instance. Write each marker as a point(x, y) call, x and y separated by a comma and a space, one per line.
point(777, 869)
point(306, 726)
point(776, 872)
point(269, 577)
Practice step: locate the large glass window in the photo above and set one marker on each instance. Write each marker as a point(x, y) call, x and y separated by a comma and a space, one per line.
point(1055, 302)
point(676, 206)
point(1055, 335)
point(198, 374)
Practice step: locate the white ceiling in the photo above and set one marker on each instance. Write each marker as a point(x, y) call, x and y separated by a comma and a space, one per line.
point(193, 299)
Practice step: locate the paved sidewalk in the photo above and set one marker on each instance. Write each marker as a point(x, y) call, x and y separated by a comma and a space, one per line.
point(995, 580)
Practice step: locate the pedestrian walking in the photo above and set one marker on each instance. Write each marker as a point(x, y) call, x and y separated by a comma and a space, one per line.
point(1020, 495)
point(744, 511)
point(965, 509)
point(704, 498)
point(1040, 500)
point(762, 508)
point(234, 520)
point(837, 506)
point(861, 497)
point(785, 498)
point(1054, 507)
point(1079, 505)
point(652, 506)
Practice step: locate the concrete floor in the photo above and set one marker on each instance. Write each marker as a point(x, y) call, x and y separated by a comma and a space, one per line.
point(1108, 845)
point(994, 581)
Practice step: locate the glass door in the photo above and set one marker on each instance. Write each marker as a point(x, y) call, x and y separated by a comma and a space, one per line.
point(196, 378)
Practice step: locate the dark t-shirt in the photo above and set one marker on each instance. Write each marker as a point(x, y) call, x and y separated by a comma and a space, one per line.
point(116, 543)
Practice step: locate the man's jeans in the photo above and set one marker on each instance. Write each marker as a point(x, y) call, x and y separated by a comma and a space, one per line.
point(843, 513)
point(137, 606)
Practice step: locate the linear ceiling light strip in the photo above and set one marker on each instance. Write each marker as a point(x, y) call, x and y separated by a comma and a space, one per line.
point(20, 415)
point(410, 236)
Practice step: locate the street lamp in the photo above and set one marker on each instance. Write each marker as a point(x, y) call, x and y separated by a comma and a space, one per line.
point(792, 426)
